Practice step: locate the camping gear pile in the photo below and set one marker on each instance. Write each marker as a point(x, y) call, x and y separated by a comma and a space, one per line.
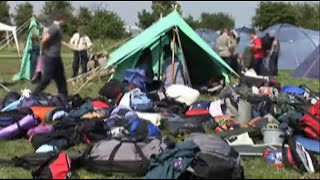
point(122, 129)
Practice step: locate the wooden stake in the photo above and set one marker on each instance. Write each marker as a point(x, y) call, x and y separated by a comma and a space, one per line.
point(172, 62)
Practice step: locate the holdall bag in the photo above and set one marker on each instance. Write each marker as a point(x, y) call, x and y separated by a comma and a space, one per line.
point(40, 112)
point(311, 122)
point(216, 159)
point(182, 94)
point(59, 167)
point(112, 89)
point(124, 156)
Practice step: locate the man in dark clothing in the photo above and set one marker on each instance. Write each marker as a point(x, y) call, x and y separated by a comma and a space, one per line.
point(51, 50)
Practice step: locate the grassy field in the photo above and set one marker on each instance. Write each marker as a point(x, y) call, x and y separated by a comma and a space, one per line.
point(254, 167)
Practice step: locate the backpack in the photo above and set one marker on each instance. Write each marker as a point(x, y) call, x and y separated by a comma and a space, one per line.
point(216, 159)
point(58, 167)
point(311, 122)
point(8, 118)
point(112, 89)
point(297, 155)
point(139, 101)
point(136, 77)
point(114, 155)
point(10, 98)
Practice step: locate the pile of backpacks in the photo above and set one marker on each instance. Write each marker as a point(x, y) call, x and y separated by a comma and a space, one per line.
point(124, 129)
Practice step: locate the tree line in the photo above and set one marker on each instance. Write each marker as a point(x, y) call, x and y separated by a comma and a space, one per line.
point(102, 23)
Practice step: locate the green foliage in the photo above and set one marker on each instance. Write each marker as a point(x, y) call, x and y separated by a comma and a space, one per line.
point(271, 13)
point(194, 24)
point(84, 16)
point(308, 15)
point(23, 13)
point(216, 21)
point(4, 12)
point(51, 8)
point(105, 24)
point(146, 18)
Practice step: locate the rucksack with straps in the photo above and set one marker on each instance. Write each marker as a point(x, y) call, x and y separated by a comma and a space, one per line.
point(8, 118)
point(297, 155)
point(121, 155)
point(311, 122)
point(43, 165)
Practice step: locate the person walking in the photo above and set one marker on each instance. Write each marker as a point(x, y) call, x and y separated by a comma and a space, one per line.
point(256, 48)
point(51, 50)
point(81, 56)
point(223, 46)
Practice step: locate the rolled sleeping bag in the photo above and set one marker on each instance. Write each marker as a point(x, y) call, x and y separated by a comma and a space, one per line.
point(18, 128)
point(41, 112)
point(154, 118)
point(40, 129)
point(183, 94)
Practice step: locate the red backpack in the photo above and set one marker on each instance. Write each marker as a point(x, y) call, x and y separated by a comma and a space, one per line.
point(311, 122)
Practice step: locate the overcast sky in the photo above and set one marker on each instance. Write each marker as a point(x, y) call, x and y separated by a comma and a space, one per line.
point(242, 12)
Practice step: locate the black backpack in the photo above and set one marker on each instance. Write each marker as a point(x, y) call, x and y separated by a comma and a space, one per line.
point(112, 89)
point(303, 159)
point(216, 159)
point(10, 98)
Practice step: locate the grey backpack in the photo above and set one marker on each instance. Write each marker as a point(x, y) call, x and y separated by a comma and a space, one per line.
point(216, 159)
point(123, 155)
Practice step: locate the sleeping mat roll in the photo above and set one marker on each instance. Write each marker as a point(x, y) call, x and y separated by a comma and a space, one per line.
point(18, 128)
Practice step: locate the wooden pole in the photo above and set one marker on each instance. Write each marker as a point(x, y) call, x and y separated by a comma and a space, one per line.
point(7, 37)
point(184, 63)
point(173, 52)
point(159, 66)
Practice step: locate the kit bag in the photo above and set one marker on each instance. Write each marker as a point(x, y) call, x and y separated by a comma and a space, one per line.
point(121, 156)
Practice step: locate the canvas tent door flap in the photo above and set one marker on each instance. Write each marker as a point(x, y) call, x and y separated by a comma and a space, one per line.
point(202, 62)
point(25, 70)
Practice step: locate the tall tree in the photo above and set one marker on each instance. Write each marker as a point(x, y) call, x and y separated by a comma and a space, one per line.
point(194, 24)
point(50, 9)
point(105, 24)
point(146, 18)
point(271, 13)
point(84, 16)
point(308, 15)
point(4, 12)
point(23, 12)
point(216, 21)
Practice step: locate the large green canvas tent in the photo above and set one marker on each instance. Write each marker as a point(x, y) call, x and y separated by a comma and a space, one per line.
point(26, 64)
point(202, 62)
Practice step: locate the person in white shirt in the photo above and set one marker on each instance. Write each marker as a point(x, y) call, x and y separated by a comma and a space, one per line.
point(83, 44)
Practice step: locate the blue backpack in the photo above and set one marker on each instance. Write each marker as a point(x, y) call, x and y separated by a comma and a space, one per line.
point(136, 77)
point(140, 102)
point(290, 89)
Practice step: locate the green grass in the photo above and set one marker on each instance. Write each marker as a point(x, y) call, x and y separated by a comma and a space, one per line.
point(254, 167)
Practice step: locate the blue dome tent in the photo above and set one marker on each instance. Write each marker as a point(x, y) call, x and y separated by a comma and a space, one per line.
point(209, 36)
point(295, 44)
point(310, 68)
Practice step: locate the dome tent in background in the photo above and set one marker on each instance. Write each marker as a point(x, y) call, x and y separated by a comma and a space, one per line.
point(295, 44)
point(209, 36)
point(245, 40)
point(310, 68)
